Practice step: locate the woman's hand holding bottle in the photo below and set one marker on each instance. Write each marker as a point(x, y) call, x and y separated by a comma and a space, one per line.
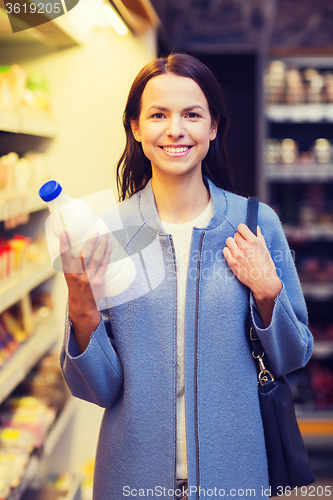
point(85, 289)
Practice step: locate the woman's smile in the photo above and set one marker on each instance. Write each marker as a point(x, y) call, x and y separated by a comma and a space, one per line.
point(176, 150)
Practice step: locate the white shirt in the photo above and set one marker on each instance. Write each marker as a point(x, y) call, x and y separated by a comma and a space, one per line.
point(182, 235)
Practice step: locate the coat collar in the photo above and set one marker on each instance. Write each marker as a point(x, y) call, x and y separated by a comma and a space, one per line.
point(149, 214)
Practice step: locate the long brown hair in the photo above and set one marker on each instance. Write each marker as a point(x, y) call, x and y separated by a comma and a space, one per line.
point(134, 168)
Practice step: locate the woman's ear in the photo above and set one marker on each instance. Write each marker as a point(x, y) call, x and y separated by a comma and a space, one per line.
point(136, 130)
point(215, 125)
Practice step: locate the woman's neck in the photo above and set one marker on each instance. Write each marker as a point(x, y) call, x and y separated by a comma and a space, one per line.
point(179, 199)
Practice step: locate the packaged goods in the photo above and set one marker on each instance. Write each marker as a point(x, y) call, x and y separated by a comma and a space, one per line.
point(13, 464)
point(45, 382)
point(19, 251)
point(30, 414)
point(287, 85)
point(7, 171)
point(12, 438)
point(22, 89)
point(13, 81)
point(9, 340)
point(287, 151)
point(22, 174)
point(36, 94)
point(5, 480)
point(13, 326)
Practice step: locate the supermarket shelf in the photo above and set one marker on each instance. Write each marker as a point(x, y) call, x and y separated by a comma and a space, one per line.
point(60, 425)
point(299, 172)
point(9, 121)
point(25, 280)
point(318, 291)
point(14, 203)
point(300, 113)
point(318, 441)
point(307, 415)
point(23, 360)
point(316, 427)
point(30, 473)
point(36, 460)
point(308, 120)
point(309, 232)
point(22, 121)
point(323, 349)
point(73, 493)
point(34, 203)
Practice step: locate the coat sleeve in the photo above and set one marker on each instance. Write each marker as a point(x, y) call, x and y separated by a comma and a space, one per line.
point(95, 375)
point(287, 341)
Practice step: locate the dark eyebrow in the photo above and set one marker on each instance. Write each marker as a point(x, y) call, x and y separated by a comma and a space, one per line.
point(189, 108)
point(154, 106)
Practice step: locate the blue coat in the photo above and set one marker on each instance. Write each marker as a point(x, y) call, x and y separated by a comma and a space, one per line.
point(129, 366)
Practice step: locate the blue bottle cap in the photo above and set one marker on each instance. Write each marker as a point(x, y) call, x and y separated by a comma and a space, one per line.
point(50, 190)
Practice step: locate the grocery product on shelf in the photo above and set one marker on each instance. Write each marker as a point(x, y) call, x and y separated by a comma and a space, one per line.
point(13, 82)
point(36, 94)
point(45, 382)
point(12, 438)
point(21, 88)
point(13, 325)
point(9, 344)
point(323, 150)
point(18, 323)
point(314, 269)
point(30, 414)
point(287, 151)
point(321, 382)
point(286, 84)
point(20, 178)
point(13, 464)
point(22, 174)
point(27, 417)
point(18, 252)
point(304, 204)
point(322, 331)
point(58, 486)
point(87, 480)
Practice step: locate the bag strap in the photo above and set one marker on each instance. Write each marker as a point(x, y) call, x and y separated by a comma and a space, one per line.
point(256, 345)
point(252, 213)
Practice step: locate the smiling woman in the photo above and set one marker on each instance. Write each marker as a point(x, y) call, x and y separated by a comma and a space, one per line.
point(175, 129)
point(161, 358)
point(134, 167)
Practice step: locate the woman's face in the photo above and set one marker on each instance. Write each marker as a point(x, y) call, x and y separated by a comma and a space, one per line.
point(175, 126)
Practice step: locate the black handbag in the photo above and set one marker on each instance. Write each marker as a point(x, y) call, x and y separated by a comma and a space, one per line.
point(288, 461)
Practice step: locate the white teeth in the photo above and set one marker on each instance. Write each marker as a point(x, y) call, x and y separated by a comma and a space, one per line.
point(176, 150)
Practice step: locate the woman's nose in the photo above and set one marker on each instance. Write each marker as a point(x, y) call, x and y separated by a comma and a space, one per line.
point(175, 128)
